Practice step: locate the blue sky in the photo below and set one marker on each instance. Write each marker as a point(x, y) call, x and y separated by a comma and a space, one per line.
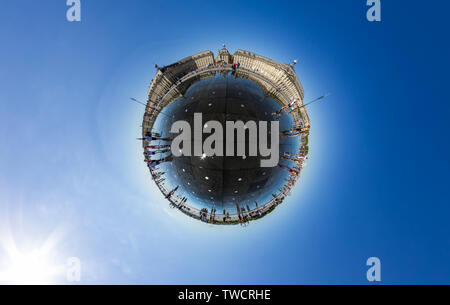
point(376, 183)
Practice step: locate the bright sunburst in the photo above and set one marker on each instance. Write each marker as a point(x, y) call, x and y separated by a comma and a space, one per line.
point(35, 267)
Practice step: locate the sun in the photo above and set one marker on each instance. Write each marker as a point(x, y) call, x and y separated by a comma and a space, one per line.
point(30, 269)
point(35, 267)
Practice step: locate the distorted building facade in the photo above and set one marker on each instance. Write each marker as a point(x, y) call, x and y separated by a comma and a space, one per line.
point(278, 81)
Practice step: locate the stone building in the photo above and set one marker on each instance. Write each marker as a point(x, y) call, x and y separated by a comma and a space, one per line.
point(277, 80)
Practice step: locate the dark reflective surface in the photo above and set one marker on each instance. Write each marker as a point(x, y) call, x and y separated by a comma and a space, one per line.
point(223, 182)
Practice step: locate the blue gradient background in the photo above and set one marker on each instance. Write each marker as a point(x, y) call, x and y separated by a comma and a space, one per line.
point(376, 183)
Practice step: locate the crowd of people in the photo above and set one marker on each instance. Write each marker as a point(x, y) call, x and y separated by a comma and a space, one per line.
point(291, 107)
point(295, 132)
point(156, 149)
